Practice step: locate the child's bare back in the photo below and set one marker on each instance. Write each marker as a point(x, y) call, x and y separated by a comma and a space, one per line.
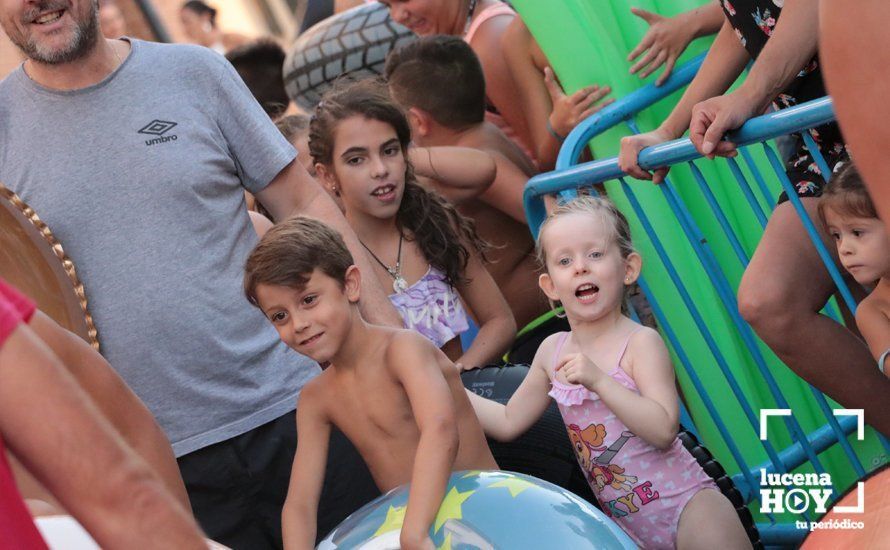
point(513, 264)
point(368, 402)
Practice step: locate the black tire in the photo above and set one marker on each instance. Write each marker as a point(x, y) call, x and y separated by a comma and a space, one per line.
point(526, 346)
point(353, 43)
point(713, 468)
point(544, 451)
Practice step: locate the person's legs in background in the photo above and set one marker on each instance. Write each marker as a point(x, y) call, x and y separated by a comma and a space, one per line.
point(781, 294)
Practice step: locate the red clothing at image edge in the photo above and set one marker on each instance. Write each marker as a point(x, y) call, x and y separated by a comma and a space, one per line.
point(17, 530)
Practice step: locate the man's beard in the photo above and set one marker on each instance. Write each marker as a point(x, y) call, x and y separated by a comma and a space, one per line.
point(85, 36)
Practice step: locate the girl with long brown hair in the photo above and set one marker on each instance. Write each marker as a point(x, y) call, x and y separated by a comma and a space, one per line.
point(423, 247)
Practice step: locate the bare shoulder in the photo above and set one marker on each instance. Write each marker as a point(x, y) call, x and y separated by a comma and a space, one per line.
point(316, 392)
point(645, 336)
point(405, 344)
point(545, 354)
point(508, 157)
point(645, 347)
point(491, 32)
point(874, 306)
point(873, 320)
point(516, 33)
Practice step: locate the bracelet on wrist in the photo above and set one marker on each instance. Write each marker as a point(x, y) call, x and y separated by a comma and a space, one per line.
point(553, 133)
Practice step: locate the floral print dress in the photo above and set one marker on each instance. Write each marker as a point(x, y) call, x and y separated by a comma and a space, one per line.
point(754, 22)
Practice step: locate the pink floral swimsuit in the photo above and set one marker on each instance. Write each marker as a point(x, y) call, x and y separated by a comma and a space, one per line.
point(642, 488)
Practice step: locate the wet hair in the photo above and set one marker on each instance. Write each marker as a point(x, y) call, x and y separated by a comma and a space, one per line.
point(441, 75)
point(201, 8)
point(598, 207)
point(423, 216)
point(259, 64)
point(846, 194)
point(290, 251)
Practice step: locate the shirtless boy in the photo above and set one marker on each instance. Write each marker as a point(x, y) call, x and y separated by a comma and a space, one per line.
point(439, 81)
point(391, 392)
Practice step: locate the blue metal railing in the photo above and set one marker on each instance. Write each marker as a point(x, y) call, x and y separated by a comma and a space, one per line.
point(568, 177)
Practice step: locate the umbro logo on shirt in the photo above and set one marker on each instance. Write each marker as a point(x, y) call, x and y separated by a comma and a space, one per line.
point(158, 128)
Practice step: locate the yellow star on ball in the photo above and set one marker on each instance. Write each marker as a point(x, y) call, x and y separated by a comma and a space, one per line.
point(513, 484)
point(451, 507)
point(395, 517)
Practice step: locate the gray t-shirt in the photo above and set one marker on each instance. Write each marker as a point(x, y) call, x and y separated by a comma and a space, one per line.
point(141, 177)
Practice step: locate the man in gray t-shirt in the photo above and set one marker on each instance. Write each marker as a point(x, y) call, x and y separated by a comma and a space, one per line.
point(137, 155)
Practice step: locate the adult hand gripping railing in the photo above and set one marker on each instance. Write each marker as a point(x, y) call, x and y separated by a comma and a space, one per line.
point(567, 178)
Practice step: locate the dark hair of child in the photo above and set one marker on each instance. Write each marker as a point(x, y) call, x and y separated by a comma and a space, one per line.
point(439, 230)
point(441, 75)
point(200, 7)
point(259, 64)
point(846, 194)
point(290, 251)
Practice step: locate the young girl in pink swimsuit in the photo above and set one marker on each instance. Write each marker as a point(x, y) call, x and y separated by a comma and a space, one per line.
point(614, 384)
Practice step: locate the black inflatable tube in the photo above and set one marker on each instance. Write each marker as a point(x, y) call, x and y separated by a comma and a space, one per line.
point(355, 43)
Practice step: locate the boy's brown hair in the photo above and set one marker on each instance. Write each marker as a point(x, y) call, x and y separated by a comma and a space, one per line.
point(846, 194)
point(441, 75)
point(290, 251)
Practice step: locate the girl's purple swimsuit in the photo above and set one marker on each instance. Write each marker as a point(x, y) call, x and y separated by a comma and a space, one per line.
point(641, 487)
point(432, 307)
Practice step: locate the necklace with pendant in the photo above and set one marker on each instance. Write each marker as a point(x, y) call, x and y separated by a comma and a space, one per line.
point(399, 284)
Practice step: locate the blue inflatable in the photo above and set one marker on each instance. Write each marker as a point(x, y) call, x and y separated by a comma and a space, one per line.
point(487, 510)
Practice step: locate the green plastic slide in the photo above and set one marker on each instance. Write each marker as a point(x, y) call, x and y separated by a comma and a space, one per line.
point(587, 42)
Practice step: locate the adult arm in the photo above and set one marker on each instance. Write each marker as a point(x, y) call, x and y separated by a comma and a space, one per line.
point(847, 30)
point(791, 46)
point(497, 327)
point(723, 64)
point(115, 400)
point(457, 173)
point(500, 86)
point(668, 37)
point(300, 513)
point(541, 98)
point(415, 365)
point(51, 426)
point(294, 192)
point(526, 406)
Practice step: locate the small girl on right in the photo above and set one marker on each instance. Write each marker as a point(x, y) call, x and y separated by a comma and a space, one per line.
point(613, 381)
point(863, 247)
